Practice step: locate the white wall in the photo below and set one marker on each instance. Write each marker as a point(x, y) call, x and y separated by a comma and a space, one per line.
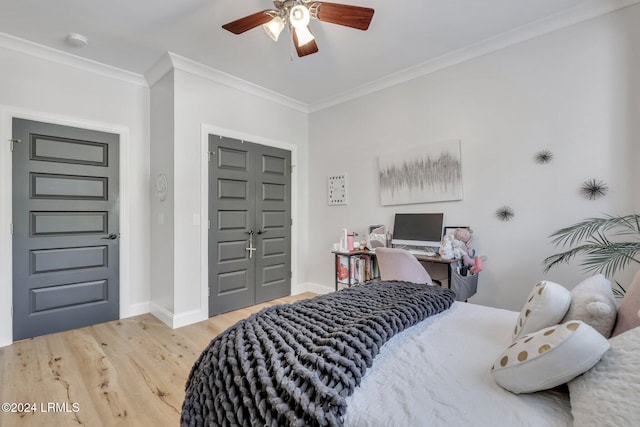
point(570, 91)
point(574, 91)
point(35, 85)
point(202, 103)
point(162, 218)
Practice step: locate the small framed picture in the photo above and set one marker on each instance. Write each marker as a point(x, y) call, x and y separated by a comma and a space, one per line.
point(452, 229)
point(337, 190)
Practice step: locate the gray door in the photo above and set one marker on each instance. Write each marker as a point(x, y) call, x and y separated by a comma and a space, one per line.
point(250, 229)
point(65, 228)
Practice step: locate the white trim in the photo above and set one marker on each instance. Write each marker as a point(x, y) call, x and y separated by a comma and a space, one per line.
point(203, 71)
point(7, 113)
point(136, 310)
point(316, 288)
point(159, 70)
point(6, 243)
point(50, 54)
point(580, 13)
point(584, 11)
point(176, 320)
point(188, 318)
point(161, 313)
point(171, 61)
point(206, 130)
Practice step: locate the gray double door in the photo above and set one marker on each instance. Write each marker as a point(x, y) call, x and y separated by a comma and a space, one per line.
point(250, 224)
point(65, 228)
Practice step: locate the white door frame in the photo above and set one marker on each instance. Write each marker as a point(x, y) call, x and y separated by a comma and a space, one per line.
point(7, 114)
point(206, 130)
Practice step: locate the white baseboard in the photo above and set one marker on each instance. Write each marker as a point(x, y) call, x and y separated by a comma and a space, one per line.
point(188, 318)
point(136, 310)
point(132, 310)
point(298, 288)
point(164, 315)
point(183, 319)
point(177, 320)
point(316, 288)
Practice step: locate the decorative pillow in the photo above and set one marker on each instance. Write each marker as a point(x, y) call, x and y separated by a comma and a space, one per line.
point(593, 302)
point(609, 394)
point(629, 311)
point(546, 305)
point(549, 357)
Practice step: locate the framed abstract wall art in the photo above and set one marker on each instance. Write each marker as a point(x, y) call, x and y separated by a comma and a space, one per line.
point(421, 174)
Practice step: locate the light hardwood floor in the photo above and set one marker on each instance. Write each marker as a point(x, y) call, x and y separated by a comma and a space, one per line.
point(129, 372)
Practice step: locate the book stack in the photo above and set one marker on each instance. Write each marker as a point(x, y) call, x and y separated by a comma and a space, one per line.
point(353, 270)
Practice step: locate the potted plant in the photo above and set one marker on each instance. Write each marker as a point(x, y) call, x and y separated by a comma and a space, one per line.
point(607, 244)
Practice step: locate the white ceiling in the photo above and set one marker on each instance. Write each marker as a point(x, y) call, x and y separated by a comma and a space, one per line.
point(134, 34)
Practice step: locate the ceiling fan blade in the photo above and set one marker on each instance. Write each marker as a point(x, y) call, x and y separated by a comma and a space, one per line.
point(344, 14)
point(241, 25)
point(305, 49)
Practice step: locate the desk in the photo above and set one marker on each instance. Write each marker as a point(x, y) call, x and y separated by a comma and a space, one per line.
point(438, 268)
point(345, 261)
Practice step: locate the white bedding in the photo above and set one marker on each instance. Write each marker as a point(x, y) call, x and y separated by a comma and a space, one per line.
point(437, 373)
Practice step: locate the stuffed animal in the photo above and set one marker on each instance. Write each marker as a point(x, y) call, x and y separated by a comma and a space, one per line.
point(463, 235)
point(478, 265)
point(593, 302)
point(450, 247)
point(457, 245)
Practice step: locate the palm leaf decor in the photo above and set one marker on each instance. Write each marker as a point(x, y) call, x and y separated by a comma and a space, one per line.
point(607, 244)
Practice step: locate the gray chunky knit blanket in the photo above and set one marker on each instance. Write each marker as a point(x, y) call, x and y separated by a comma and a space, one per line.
point(296, 364)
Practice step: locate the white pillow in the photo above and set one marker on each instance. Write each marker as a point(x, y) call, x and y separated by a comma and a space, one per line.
point(609, 394)
point(593, 302)
point(549, 357)
point(546, 305)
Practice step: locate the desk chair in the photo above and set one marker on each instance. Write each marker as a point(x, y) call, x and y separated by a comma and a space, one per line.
point(398, 264)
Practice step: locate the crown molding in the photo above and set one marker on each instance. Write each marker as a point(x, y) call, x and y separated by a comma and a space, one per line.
point(583, 12)
point(166, 63)
point(159, 70)
point(10, 42)
point(173, 61)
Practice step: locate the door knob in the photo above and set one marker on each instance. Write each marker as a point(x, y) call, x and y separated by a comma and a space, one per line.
point(261, 231)
point(110, 237)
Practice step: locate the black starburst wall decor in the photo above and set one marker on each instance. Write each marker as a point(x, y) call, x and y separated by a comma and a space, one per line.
point(543, 157)
point(593, 189)
point(505, 213)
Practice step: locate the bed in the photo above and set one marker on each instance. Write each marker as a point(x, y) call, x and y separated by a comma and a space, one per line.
point(437, 373)
point(414, 357)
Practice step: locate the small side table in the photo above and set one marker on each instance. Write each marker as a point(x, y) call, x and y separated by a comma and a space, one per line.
point(348, 270)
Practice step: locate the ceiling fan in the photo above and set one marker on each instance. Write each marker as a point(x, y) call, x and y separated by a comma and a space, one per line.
point(296, 15)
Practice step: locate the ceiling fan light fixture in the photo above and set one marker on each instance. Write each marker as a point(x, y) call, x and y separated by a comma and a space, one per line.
point(274, 28)
point(299, 17)
point(296, 15)
point(304, 36)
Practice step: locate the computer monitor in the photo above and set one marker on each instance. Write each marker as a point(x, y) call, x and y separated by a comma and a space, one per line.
point(418, 229)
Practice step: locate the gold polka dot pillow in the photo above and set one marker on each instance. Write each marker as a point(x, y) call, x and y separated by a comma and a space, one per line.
point(546, 305)
point(549, 357)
